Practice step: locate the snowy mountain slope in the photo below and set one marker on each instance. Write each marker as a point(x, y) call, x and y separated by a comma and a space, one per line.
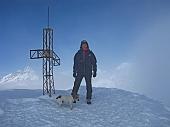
point(26, 74)
point(110, 108)
point(18, 79)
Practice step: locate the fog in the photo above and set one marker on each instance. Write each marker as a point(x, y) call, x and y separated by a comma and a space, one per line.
point(151, 56)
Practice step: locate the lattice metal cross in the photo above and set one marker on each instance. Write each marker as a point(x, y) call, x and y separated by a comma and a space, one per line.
point(50, 59)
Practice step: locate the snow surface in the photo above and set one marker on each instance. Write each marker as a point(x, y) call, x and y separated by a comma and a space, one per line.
point(110, 108)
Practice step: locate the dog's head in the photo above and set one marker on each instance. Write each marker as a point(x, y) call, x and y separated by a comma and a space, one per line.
point(59, 99)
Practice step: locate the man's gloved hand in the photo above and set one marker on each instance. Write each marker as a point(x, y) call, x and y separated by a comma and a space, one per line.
point(74, 74)
point(94, 74)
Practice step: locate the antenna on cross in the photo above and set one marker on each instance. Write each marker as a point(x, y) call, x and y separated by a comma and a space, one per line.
point(48, 16)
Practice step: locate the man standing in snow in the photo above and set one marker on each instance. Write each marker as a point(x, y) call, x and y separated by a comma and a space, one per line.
point(84, 66)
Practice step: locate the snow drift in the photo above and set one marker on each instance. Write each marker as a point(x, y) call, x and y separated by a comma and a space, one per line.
point(110, 108)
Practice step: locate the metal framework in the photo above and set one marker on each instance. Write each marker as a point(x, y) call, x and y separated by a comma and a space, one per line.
point(50, 59)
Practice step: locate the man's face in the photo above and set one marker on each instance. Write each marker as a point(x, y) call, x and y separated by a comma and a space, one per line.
point(84, 46)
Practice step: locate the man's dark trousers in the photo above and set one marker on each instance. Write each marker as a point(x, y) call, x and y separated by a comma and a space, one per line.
point(77, 83)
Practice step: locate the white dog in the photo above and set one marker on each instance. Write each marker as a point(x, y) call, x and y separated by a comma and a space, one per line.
point(65, 100)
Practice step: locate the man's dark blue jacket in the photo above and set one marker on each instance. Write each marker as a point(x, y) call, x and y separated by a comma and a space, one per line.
point(84, 64)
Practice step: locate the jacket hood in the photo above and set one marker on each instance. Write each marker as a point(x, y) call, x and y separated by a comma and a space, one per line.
point(84, 42)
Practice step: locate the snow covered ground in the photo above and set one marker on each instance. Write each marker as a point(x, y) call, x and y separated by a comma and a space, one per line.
point(109, 108)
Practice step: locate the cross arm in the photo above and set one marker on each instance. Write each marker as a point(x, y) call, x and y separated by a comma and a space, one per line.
point(56, 59)
point(36, 54)
point(40, 53)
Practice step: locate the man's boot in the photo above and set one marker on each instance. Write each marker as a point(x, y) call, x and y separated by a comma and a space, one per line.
point(88, 101)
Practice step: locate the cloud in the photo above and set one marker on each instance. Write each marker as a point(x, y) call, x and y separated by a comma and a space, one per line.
point(121, 76)
point(152, 58)
point(63, 79)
